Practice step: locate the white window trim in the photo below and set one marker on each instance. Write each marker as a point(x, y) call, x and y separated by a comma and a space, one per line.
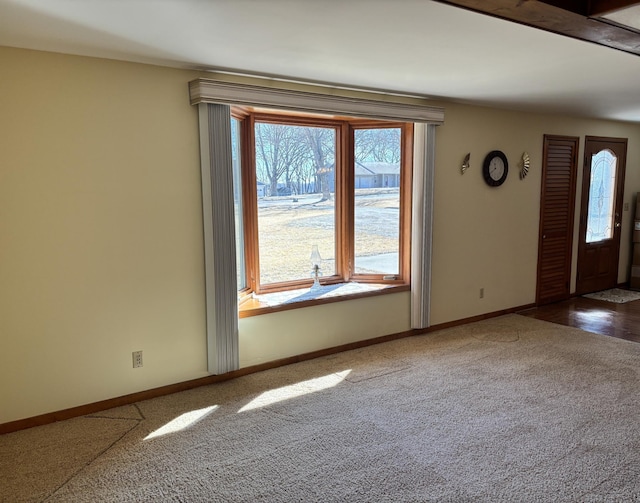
point(317, 100)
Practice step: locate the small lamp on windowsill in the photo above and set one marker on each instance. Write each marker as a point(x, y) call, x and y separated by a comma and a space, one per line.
point(316, 261)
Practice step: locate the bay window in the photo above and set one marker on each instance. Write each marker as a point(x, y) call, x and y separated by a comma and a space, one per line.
point(277, 185)
point(338, 185)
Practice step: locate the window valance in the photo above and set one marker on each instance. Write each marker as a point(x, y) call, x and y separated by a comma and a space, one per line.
point(320, 100)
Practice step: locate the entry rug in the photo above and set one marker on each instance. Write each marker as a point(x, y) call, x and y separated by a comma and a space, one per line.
point(616, 295)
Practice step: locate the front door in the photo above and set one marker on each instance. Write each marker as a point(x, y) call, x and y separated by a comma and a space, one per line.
point(601, 213)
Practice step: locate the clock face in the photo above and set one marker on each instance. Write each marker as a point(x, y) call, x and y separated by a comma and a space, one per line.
point(495, 168)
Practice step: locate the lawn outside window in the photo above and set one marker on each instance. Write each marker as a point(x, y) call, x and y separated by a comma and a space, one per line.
point(342, 185)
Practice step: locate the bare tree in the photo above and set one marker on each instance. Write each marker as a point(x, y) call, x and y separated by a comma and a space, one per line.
point(321, 143)
point(378, 145)
point(297, 154)
point(305, 175)
point(279, 152)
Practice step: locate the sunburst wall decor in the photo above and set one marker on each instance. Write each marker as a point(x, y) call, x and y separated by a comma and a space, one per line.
point(465, 163)
point(524, 166)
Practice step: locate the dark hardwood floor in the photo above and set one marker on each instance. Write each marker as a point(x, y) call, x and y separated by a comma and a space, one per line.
point(606, 318)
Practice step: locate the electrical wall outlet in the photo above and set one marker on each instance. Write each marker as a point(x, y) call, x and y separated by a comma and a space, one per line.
point(481, 296)
point(137, 359)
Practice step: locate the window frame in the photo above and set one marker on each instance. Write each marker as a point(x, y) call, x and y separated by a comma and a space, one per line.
point(294, 120)
point(345, 128)
point(248, 203)
point(405, 192)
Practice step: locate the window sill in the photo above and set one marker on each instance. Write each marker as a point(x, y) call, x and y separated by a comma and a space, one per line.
point(305, 297)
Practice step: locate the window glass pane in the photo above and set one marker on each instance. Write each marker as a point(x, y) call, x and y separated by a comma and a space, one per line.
point(295, 180)
point(601, 196)
point(237, 200)
point(377, 201)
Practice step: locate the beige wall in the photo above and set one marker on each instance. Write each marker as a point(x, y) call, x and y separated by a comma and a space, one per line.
point(287, 333)
point(101, 234)
point(487, 237)
point(101, 249)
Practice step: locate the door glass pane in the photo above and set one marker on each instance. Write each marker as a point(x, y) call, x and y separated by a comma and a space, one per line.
point(237, 202)
point(377, 201)
point(295, 179)
point(600, 216)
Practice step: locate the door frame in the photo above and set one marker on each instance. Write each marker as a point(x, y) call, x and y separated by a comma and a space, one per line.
point(583, 288)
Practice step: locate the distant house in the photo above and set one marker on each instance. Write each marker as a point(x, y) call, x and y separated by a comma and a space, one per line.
point(370, 175)
point(262, 188)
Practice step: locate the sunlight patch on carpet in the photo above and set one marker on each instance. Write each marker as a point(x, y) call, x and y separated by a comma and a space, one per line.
point(296, 390)
point(182, 422)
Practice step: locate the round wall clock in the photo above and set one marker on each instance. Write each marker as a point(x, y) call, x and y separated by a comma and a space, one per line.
point(495, 168)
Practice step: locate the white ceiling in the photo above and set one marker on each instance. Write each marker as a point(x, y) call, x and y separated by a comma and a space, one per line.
point(409, 46)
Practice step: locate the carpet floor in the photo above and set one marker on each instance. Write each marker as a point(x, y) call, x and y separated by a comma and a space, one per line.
point(510, 409)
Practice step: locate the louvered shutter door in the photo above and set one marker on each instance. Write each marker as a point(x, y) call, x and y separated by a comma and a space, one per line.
point(557, 208)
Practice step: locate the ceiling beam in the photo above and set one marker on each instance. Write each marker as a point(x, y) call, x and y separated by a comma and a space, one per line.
point(576, 6)
point(602, 7)
point(591, 8)
point(568, 17)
